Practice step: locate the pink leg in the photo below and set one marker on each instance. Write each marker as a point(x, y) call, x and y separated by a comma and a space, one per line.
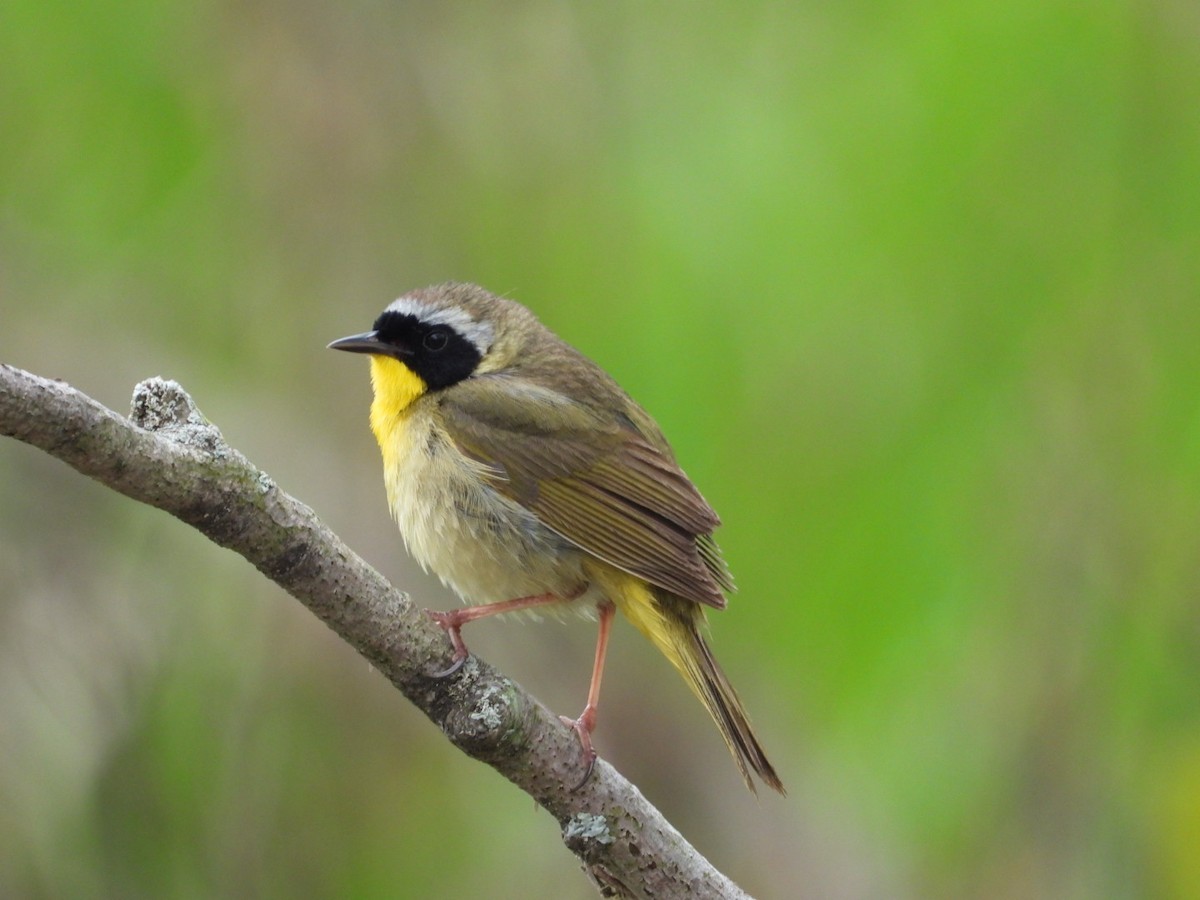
point(586, 723)
point(453, 621)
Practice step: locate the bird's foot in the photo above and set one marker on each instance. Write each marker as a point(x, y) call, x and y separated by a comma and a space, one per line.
point(451, 622)
point(584, 726)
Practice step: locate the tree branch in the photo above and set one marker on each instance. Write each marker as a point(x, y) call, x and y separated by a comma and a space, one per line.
point(169, 456)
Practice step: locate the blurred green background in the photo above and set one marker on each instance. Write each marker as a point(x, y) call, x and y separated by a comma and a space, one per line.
point(912, 287)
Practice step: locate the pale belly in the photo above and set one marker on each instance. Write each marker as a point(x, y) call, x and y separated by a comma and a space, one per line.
point(483, 546)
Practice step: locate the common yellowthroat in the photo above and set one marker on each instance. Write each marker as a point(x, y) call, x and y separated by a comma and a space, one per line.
point(523, 476)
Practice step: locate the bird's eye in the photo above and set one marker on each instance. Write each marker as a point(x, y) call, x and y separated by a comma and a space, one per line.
point(436, 340)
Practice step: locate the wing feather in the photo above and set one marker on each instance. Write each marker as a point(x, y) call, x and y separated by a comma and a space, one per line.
point(594, 477)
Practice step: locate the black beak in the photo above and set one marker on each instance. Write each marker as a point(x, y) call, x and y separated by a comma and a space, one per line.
point(367, 342)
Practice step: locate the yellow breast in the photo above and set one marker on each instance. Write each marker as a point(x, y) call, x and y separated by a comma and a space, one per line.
point(483, 545)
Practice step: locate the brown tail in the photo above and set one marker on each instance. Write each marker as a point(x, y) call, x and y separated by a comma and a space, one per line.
point(673, 625)
point(709, 683)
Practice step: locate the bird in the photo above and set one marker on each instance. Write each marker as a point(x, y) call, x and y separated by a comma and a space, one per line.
point(524, 477)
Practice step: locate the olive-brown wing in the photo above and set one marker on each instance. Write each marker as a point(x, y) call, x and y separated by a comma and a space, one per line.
point(594, 478)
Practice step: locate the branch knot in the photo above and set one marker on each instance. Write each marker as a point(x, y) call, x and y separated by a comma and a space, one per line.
point(162, 405)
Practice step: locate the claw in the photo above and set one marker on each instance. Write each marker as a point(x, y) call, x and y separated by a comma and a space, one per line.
point(451, 623)
point(455, 665)
point(583, 727)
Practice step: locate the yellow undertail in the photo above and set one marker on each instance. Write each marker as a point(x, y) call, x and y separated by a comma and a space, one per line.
point(673, 625)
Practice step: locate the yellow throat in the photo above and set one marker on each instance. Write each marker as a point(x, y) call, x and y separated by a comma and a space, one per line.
point(396, 388)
